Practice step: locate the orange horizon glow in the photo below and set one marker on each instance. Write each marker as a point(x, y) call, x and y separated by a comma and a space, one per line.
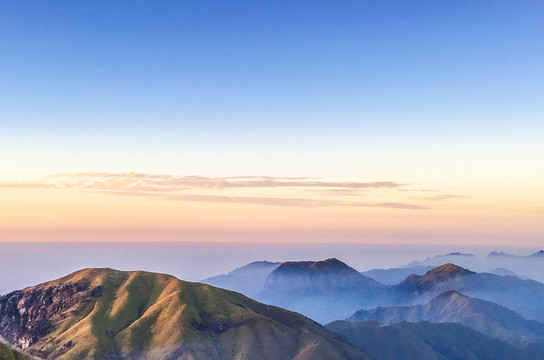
point(251, 210)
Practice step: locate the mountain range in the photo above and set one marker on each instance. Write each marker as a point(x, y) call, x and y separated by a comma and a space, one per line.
point(523, 296)
point(104, 314)
point(531, 266)
point(329, 290)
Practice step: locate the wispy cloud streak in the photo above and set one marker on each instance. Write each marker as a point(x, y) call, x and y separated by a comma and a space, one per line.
point(183, 188)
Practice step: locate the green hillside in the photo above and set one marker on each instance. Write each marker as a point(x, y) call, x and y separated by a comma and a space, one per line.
point(7, 353)
point(109, 314)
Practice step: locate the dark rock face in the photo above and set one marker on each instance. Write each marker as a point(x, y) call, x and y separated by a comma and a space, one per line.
point(27, 316)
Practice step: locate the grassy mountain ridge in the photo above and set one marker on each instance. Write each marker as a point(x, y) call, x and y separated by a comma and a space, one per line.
point(109, 314)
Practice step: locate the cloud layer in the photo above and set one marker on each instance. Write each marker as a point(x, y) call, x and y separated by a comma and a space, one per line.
point(183, 188)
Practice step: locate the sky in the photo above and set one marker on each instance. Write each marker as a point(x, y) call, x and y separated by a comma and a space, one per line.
point(414, 122)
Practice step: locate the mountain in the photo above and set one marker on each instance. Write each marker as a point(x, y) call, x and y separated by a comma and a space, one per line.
point(539, 254)
point(498, 253)
point(440, 275)
point(105, 314)
point(9, 354)
point(452, 307)
point(506, 272)
point(323, 290)
point(248, 280)
point(426, 341)
point(523, 296)
point(395, 275)
point(531, 266)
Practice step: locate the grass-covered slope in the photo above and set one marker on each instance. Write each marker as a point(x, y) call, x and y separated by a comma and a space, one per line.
point(6, 353)
point(109, 314)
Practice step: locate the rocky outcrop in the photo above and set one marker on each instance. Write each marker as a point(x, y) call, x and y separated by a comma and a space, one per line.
point(26, 316)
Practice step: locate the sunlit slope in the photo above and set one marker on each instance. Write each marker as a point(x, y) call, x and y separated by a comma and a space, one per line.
point(109, 314)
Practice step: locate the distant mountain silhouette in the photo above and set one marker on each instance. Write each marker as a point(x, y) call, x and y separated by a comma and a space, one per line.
point(248, 280)
point(104, 314)
point(328, 290)
point(495, 253)
point(427, 341)
point(539, 254)
point(506, 272)
point(523, 296)
point(452, 307)
point(394, 276)
point(531, 265)
point(323, 290)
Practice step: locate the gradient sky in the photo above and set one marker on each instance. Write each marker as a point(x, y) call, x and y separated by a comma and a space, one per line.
point(208, 120)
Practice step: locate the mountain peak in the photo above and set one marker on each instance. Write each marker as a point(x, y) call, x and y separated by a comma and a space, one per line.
point(448, 270)
point(449, 298)
point(328, 266)
point(500, 253)
point(538, 254)
point(451, 294)
point(437, 275)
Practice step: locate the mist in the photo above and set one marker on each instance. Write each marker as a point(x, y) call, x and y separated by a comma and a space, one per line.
point(26, 264)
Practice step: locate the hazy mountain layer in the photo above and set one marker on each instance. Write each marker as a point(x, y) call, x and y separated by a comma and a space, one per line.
point(426, 341)
point(248, 280)
point(329, 290)
point(394, 276)
point(531, 265)
point(452, 307)
point(323, 290)
point(523, 296)
point(107, 314)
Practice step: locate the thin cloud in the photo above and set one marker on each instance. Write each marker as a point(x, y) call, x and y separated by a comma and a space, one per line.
point(129, 181)
point(26, 185)
point(297, 202)
point(182, 188)
point(442, 197)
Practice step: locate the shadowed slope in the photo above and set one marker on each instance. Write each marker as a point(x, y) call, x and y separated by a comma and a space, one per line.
point(109, 314)
point(425, 341)
point(486, 317)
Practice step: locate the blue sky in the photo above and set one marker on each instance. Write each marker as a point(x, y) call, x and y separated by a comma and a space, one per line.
point(244, 73)
point(443, 98)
